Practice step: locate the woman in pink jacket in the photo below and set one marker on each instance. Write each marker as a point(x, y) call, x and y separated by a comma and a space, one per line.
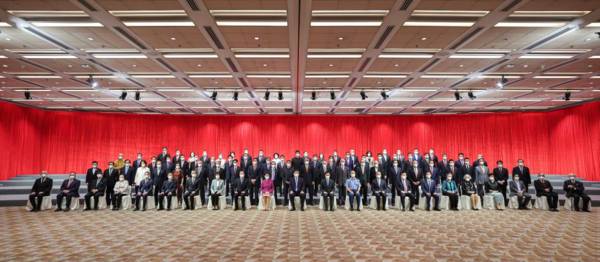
point(266, 188)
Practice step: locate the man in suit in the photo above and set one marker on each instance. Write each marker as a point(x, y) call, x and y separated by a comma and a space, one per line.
point(169, 166)
point(306, 173)
point(408, 163)
point(501, 175)
point(41, 188)
point(234, 174)
point(481, 175)
point(544, 188)
point(433, 157)
point(336, 158)
point(68, 190)
point(228, 169)
point(287, 173)
point(379, 188)
point(461, 160)
point(362, 173)
point(202, 175)
point(191, 190)
point(327, 192)
point(96, 190)
point(168, 189)
point(574, 189)
point(435, 172)
point(297, 188)
point(479, 158)
point(333, 169)
point(205, 159)
point(144, 190)
point(416, 156)
point(254, 174)
point(128, 172)
point(523, 172)
point(245, 161)
point(152, 164)
point(138, 162)
point(341, 181)
point(386, 164)
point(261, 157)
point(162, 157)
point(111, 176)
point(404, 189)
point(92, 172)
point(429, 188)
point(351, 160)
point(297, 161)
point(452, 169)
point(374, 169)
point(241, 188)
point(184, 166)
point(444, 166)
point(158, 175)
point(517, 188)
point(317, 172)
point(415, 175)
point(393, 175)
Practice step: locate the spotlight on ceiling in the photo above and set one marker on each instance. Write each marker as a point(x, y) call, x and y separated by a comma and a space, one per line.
point(567, 96)
point(214, 95)
point(332, 95)
point(502, 82)
point(267, 94)
point(457, 95)
point(27, 95)
point(471, 96)
point(280, 95)
point(137, 96)
point(363, 95)
point(313, 95)
point(384, 95)
point(91, 81)
point(235, 96)
point(123, 95)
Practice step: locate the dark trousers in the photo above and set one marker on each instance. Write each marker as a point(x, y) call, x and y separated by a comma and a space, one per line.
point(552, 198)
point(275, 190)
point(297, 194)
point(156, 191)
point(202, 193)
point(415, 191)
point(410, 196)
point(480, 192)
point(254, 189)
point(327, 201)
point(110, 192)
point(576, 196)
point(381, 198)
point(364, 190)
point(36, 200)
point(355, 195)
point(161, 199)
point(436, 200)
point(68, 196)
point(311, 192)
point(214, 199)
point(144, 198)
point(189, 203)
point(236, 196)
point(523, 200)
point(116, 200)
point(285, 193)
point(341, 190)
point(453, 200)
point(393, 193)
point(503, 189)
point(96, 196)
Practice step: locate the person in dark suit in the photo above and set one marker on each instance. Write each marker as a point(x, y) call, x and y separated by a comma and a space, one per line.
point(443, 166)
point(287, 173)
point(306, 173)
point(158, 175)
point(464, 169)
point(435, 172)
point(336, 158)
point(170, 166)
point(185, 166)
point(461, 160)
point(111, 176)
point(317, 173)
point(205, 159)
point(297, 161)
point(544, 188)
point(501, 175)
point(404, 189)
point(234, 174)
point(333, 169)
point(152, 164)
point(386, 164)
point(202, 175)
point(297, 188)
point(455, 171)
point(192, 189)
point(41, 188)
point(168, 189)
point(479, 158)
point(415, 175)
point(228, 169)
point(378, 189)
point(96, 190)
point(162, 157)
point(254, 175)
point(245, 161)
point(517, 188)
point(68, 190)
point(575, 189)
point(92, 172)
point(128, 172)
point(327, 192)
point(143, 192)
point(374, 169)
point(429, 188)
point(362, 173)
point(433, 157)
point(138, 162)
point(523, 172)
point(393, 175)
point(241, 188)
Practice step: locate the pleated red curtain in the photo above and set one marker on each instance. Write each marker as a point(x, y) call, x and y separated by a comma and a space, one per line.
point(556, 142)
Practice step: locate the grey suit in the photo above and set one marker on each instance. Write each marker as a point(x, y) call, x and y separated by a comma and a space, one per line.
point(342, 177)
point(514, 191)
point(481, 177)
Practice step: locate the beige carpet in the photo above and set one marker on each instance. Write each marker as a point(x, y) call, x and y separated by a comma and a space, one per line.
point(313, 235)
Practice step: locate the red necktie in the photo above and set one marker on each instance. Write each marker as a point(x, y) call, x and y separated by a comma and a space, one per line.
point(69, 184)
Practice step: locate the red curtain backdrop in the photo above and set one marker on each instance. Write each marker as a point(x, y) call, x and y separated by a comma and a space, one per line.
point(555, 142)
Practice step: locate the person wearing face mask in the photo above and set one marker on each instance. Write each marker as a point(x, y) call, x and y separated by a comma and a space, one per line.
point(287, 173)
point(272, 168)
point(362, 171)
point(267, 187)
point(415, 175)
point(128, 172)
point(425, 163)
point(202, 175)
point(169, 166)
point(408, 163)
point(276, 158)
point(435, 172)
point(328, 192)
point(185, 166)
point(433, 157)
point(467, 168)
point(429, 188)
point(450, 189)
point(416, 156)
point(217, 189)
point(245, 161)
point(234, 174)
point(383, 166)
point(179, 177)
point(492, 188)
point(139, 175)
point(481, 175)
point(544, 188)
point(575, 189)
point(317, 172)
point(401, 158)
point(261, 157)
point(297, 161)
point(523, 172)
point(404, 189)
point(461, 160)
point(68, 190)
point(158, 175)
point(152, 163)
point(241, 188)
point(96, 190)
point(92, 173)
point(333, 169)
point(41, 188)
point(168, 189)
point(205, 159)
point(353, 191)
point(351, 160)
point(111, 176)
point(321, 157)
point(444, 165)
point(218, 170)
point(369, 158)
point(469, 188)
point(162, 157)
point(336, 158)
point(378, 189)
point(343, 175)
point(254, 174)
point(228, 169)
point(501, 176)
point(191, 190)
point(517, 188)
point(144, 190)
point(307, 175)
point(119, 163)
point(121, 189)
point(394, 174)
point(138, 161)
point(479, 158)
point(297, 189)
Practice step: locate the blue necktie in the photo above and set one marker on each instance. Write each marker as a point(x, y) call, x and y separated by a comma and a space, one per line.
point(296, 184)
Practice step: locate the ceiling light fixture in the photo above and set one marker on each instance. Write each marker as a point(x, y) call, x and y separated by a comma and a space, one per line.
point(267, 94)
point(123, 95)
point(332, 95)
point(384, 95)
point(471, 96)
point(363, 95)
point(137, 96)
point(567, 96)
point(280, 95)
point(91, 81)
point(313, 95)
point(27, 95)
point(235, 96)
point(457, 96)
point(214, 95)
point(502, 82)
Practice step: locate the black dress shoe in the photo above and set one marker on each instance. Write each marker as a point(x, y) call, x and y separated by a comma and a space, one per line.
point(95, 209)
point(160, 209)
point(437, 209)
point(302, 209)
point(384, 209)
point(168, 209)
point(87, 209)
point(66, 210)
point(351, 209)
point(136, 209)
point(143, 209)
point(32, 210)
point(586, 211)
point(293, 209)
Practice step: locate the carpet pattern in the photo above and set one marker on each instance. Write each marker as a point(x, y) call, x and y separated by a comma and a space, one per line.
point(313, 235)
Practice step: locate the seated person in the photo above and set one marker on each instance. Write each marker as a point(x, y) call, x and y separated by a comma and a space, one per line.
point(97, 188)
point(266, 189)
point(450, 189)
point(297, 188)
point(41, 188)
point(217, 189)
point(353, 190)
point(241, 188)
point(144, 190)
point(469, 188)
point(429, 188)
point(517, 188)
point(403, 187)
point(379, 187)
point(68, 189)
point(192, 189)
point(575, 189)
point(168, 189)
point(121, 189)
point(492, 188)
point(544, 188)
point(328, 192)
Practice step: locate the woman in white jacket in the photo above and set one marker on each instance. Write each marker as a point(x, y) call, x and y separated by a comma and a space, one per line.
point(139, 174)
point(121, 189)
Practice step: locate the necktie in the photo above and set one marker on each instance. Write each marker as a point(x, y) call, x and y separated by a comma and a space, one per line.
point(404, 184)
point(69, 184)
point(543, 184)
point(296, 184)
point(518, 186)
point(97, 182)
point(327, 182)
point(110, 171)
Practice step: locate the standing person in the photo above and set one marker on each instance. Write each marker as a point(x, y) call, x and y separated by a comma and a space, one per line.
point(245, 161)
point(41, 188)
point(120, 190)
point(394, 175)
point(138, 162)
point(158, 175)
point(501, 176)
point(162, 157)
point(328, 192)
point(523, 172)
point(362, 173)
point(297, 161)
point(287, 173)
point(140, 175)
point(92, 173)
point(341, 180)
point(179, 177)
point(307, 177)
point(128, 172)
point(544, 188)
point(267, 188)
point(415, 175)
point(119, 163)
point(254, 174)
point(111, 176)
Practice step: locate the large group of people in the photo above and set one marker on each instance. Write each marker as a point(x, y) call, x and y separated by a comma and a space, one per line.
point(262, 179)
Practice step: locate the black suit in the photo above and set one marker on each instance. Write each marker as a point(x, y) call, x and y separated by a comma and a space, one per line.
point(297, 163)
point(185, 167)
point(306, 173)
point(540, 190)
point(99, 185)
point(379, 187)
point(415, 178)
point(286, 175)
point(169, 166)
point(401, 192)
point(91, 175)
point(158, 176)
point(297, 188)
point(327, 192)
point(502, 176)
point(254, 172)
point(162, 158)
point(191, 190)
point(393, 176)
point(45, 187)
point(241, 188)
point(111, 179)
point(524, 175)
point(129, 174)
point(244, 164)
point(136, 164)
point(363, 177)
point(317, 174)
point(576, 192)
point(167, 187)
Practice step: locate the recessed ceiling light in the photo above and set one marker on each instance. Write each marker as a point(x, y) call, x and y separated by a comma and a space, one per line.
point(590, 65)
point(588, 39)
point(91, 39)
point(396, 65)
point(330, 64)
point(264, 64)
point(199, 65)
point(173, 38)
point(70, 65)
point(424, 38)
point(134, 65)
point(341, 38)
point(461, 65)
point(5, 65)
point(8, 39)
point(256, 38)
point(525, 66)
point(324, 82)
point(216, 82)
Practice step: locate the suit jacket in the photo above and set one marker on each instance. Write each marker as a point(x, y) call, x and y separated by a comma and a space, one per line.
point(317, 172)
point(525, 175)
point(328, 188)
point(481, 176)
point(344, 174)
point(381, 186)
point(192, 185)
point(255, 172)
point(217, 186)
point(136, 163)
point(185, 167)
point(214, 172)
point(268, 169)
point(234, 173)
point(472, 171)
point(336, 160)
point(205, 160)
point(577, 189)
point(400, 186)
point(100, 186)
point(89, 176)
point(476, 163)
point(444, 168)
point(540, 187)
point(355, 161)
point(501, 175)
point(111, 177)
point(228, 171)
point(297, 163)
point(410, 174)
point(123, 187)
point(129, 174)
point(158, 176)
point(333, 170)
point(169, 166)
point(169, 187)
point(429, 188)
point(373, 173)
point(163, 158)
point(301, 185)
point(241, 185)
point(362, 176)
point(513, 187)
point(45, 187)
point(245, 163)
point(306, 173)
point(73, 188)
point(202, 175)
point(146, 186)
point(394, 174)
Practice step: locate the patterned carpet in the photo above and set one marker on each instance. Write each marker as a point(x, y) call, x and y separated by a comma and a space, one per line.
point(313, 235)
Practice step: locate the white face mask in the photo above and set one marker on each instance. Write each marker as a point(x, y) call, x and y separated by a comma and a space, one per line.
point(492, 179)
point(99, 176)
point(121, 179)
point(153, 161)
point(449, 178)
point(143, 165)
point(289, 165)
point(415, 165)
point(296, 175)
point(395, 165)
point(385, 152)
point(572, 178)
point(431, 152)
point(335, 154)
point(352, 175)
point(217, 177)
point(467, 163)
point(43, 175)
point(541, 178)
point(327, 177)
point(139, 157)
point(260, 154)
point(498, 165)
point(430, 165)
point(254, 163)
point(242, 176)
point(72, 177)
point(444, 158)
point(306, 162)
point(481, 164)
point(245, 151)
point(94, 166)
point(297, 154)
point(416, 153)
point(403, 177)
point(158, 166)
point(111, 166)
point(460, 157)
point(428, 177)
point(168, 160)
point(314, 158)
point(362, 164)
point(516, 179)
point(520, 164)
point(170, 177)
point(378, 177)
point(467, 179)
point(147, 177)
point(204, 154)
point(120, 157)
point(351, 153)
point(266, 177)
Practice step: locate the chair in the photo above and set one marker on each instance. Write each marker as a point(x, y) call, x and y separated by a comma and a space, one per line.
point(466, 203)
point(541, 203)
point(445, 203)
point(569, 203)
point(197, 203)
point(126, 201)
point(222, 203)
point(513, 203)
point(261, 206)
point(74, 203)
point(373, 203)
point(488, 202)
point(174, 203)
point(356, 200)
point(296, 202)
point(399, 203)
point(46, 203)
point(101, 202)
point(248, 206)
point(322, 204)
point(423, 202)
point(150, 204)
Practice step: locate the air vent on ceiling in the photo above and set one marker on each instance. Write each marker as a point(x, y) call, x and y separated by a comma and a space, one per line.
point(511, 5)
point(36, 65)
point(430, 64)
point(549, 38)
point(466, 38)
point(193, 5)
point(231, 64)
point(487, 68)
point(165, 64)
point(460, 82)
point(189, 82)
point(129, 37)
point(102, 65)
point(87, 5)
point(385, 34)
point(405, 5)
point(244, 84)
point(352, 82)
point(250, 94)
point(40, 34)
point(214, 37)
point(406, 82)
point(364, 64)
